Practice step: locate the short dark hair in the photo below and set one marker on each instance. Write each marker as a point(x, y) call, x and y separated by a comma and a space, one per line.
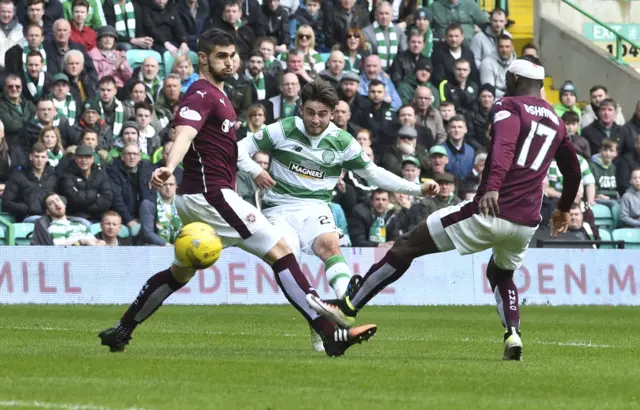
point(35, 53)
point(454, 26)
point(378, 191)
point(462, 60)
point(607, 102)
point(375, 82)
point(598, 87)
point(406, 106)
point(414, 33)
point(230, 3)
point(608, 144)
point(447, 104)
point(88, 130)
point(42, 99)
point(34, 2)
point(107, 79)
point(457, 118)
point(47, 196)
point(33, 25)
point(267, 39)
point(321, 91)
point(214, 37)
point(255, 53)
point(497, 10)
point(529, 46)
point(570, 117)
point(144, 105)
point(504, 37)
point(38, 148)
point(575, 205)
point(81, 3)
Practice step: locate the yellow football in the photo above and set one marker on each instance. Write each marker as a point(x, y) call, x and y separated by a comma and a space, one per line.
point(198, 246)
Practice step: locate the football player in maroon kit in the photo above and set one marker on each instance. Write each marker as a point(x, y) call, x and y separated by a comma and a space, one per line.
point(206, 145)
point(526, 136)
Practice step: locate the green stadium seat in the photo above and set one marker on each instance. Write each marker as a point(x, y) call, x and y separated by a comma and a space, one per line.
point(325, 57)
point(95, 229)
point(124, 232)
point(24, 231)
point(135, 230)
point(605, 236)
point(8, 217)
point(168, 60)
point(630, 236)
point(602, 215)
point(3, 235)
point(615, 213)
point(136, 57)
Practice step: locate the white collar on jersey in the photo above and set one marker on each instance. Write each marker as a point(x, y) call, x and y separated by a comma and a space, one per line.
point(526, 69)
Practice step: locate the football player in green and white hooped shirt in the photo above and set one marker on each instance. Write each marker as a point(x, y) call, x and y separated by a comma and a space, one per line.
point(308, 155)
point(556, 181)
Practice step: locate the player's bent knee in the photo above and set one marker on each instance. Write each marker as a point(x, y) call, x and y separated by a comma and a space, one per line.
point(327, 245)
point(182, 274)
point(280, 250)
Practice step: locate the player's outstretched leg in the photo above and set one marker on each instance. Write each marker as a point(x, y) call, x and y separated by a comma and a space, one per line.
point(389, 269)
point(296, 287)
point(506, 294)
point(153, 293)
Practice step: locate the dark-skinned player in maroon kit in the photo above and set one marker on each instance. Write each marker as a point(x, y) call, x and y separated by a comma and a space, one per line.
point(526, 136)
point(206, 145)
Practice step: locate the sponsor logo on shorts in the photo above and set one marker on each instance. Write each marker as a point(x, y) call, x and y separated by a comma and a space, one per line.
point(251, 218)
point(306, 172)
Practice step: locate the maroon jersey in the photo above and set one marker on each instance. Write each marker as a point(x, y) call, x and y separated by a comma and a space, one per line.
point(210, 162)
point(526, 136)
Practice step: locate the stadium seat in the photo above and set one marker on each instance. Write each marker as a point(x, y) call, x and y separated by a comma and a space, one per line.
point(23, 231)
point(168, 60)
point(615, 212)
point(95, 229)
point(135, 230)
point(124, 232)
point(630, 236)
point(605, 236)
point(136, 57)
point(8, 217)
point(602, 215)
point(325, 57)
point(3, 235)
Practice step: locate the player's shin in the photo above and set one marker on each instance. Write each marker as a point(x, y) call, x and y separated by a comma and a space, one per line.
point(154, 292)
point(506, 294)
point(295, 287)
point(338, 274)
point(388, 270)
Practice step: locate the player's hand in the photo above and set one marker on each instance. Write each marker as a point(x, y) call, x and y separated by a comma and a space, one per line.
point(158, 177)
point(430, 188)
point(264, 180)
point(558, 223)
point(489, 204)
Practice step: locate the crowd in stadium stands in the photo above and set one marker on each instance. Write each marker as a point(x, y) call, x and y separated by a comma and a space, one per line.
point(90, 88)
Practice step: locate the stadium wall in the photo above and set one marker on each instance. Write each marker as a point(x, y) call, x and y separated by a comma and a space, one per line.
point(82, 275)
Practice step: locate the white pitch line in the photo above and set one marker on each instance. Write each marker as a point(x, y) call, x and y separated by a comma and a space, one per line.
point(588, 344)
point(61, 406)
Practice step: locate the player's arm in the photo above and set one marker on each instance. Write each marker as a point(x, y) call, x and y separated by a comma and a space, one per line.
point(504, 139)
point(361, 164)
point(567, 160)
point(570, 167)
point(260, 141)
point(185, 134)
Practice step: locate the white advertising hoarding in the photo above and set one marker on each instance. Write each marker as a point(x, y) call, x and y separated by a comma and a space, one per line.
point(101, 275)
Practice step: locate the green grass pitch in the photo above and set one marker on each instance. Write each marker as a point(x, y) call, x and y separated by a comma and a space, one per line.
point(260, 357)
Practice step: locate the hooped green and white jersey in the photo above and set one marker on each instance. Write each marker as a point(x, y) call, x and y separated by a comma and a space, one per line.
point(306, 168)
point(556, 179)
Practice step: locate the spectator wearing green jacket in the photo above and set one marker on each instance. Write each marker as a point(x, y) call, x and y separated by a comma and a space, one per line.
point(568, 99)
point(604, 171)
point(467, 13)
point(95, 15)
point(15, 111)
